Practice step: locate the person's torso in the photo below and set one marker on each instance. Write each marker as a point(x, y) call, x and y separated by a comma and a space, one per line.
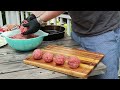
point(94, 22)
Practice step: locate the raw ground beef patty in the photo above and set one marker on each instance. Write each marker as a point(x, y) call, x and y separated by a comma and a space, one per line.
point(22, 28)
point(59, 59)
point(21, 36)
point(47, 57)
point(37, 54)
point(73, 62)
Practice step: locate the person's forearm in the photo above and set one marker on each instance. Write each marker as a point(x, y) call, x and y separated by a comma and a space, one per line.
point(37, 13)
point(48, 15)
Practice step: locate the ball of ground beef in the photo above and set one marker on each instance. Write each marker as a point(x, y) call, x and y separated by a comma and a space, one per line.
point(31, 36)
point(22, 28)
point(74, 62)
point(47, 57)
point(19, 36)
point(59, 59)
point(37, 54)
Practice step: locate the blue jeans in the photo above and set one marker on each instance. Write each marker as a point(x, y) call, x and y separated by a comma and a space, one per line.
point(108, 44)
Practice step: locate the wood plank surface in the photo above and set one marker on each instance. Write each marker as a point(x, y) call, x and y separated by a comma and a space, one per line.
point(87, 64)
point(23, 71)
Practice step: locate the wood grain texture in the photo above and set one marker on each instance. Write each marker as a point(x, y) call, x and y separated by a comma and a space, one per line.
point(87, 64)
point(22, 71)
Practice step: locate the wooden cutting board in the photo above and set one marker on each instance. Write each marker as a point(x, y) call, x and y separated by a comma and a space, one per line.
point(89, 60)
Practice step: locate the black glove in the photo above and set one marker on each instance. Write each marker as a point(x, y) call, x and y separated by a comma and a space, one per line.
point(29, 18)
point(33, 26)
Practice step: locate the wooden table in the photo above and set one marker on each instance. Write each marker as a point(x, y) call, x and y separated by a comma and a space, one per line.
point(12, 66)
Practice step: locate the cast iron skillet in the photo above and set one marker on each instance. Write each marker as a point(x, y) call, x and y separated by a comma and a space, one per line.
point(55, 32)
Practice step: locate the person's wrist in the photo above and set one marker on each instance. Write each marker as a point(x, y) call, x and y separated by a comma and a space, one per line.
point(41, 22)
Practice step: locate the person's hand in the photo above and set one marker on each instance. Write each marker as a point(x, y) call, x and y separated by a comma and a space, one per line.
point(29, 18)
point(33, 26)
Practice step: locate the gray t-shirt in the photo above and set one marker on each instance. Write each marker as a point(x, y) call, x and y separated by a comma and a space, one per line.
point(89, 23)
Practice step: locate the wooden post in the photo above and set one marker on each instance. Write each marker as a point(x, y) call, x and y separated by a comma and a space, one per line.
point(54, 21)
point(13, 17)
point(1, 20)
point(7, 14)
point(26, 14)
point(68, 27)
point(48, 22)
point(22, 15)
point(18, 17)
point(61, 20)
